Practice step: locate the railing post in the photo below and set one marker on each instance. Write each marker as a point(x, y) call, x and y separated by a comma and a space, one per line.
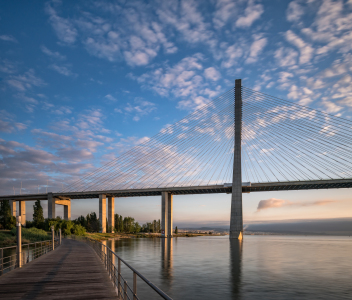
point(125, 289)
point(19, 243)
point(118, 275)
point(53, 236)
point(2, 262)
point(134, 285)
point(28, 255)
point(35, 251)
point(60, 236)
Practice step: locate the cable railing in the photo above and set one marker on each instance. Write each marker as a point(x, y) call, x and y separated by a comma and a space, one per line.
point(9, 258)
point(109, 258)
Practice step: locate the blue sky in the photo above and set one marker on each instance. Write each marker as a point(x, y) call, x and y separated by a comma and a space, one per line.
point(83, 81)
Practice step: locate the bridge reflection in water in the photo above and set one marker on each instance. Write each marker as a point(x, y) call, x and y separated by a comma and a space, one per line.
point(166, 259)
point(236, 248)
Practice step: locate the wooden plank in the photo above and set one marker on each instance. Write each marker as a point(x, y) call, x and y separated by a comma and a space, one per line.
point(72, 271)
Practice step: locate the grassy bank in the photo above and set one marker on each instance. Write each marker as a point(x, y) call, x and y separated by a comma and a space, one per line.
point(8, 237)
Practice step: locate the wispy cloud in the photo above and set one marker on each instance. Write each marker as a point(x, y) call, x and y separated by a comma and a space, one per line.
point(251, 14)
point(52, 54)
point(25, 81)
point(63, 70)
point(8, 38)
point(278, 203)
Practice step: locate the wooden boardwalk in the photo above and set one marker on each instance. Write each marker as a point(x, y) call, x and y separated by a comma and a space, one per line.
point(72, 271)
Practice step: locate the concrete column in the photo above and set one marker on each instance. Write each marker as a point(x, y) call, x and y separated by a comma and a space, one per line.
point(51, 206)
point(111, 213)
point(102, 213)
point(164, 213)
point(22, 212)
point(236, 222)
point(67, 212)
point(67, 208)
point(169, 215)
point(13, 208)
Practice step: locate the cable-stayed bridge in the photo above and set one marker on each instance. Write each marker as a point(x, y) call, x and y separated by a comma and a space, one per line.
point(243, 141)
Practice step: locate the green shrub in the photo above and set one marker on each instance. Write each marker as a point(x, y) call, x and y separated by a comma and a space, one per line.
point(78, 229)
point(33, 234)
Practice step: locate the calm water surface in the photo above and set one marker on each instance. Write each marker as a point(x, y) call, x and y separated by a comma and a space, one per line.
point(261, 267)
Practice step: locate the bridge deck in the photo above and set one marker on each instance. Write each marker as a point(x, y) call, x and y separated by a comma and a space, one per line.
point(72, 271)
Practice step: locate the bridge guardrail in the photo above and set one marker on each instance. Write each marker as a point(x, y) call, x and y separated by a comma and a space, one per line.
point(30, 252)
point(109, 257)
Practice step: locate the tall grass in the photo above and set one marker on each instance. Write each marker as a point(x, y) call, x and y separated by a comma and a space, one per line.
point(33, 234)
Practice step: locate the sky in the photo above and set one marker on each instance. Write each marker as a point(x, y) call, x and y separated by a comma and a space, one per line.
point(81, 82)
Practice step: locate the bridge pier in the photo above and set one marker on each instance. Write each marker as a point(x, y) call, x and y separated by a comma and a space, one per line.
point(67, 208)
point(102, 212)
point(13, 208)
point(166, 214)
point(22, 212)
point(51, 206)
point(236, 222)
point(111, 213)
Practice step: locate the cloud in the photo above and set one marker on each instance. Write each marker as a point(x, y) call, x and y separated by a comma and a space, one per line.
point(286, 57)
point(55, 55)
point(64, 28)
point(294, 11)
point(110, 98)
point(251, 14)
point(278, 203)
point(25, 81)
point(212, 74)
point(140, 108)
point(8, 38)
point(8, 123)
point(63, 70)
point(225, 9)
point(305, 49)
point(256, 48)
point(183, 80)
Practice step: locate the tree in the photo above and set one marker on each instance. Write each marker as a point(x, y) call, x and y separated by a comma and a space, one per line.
point(7, 221)
point(38, 215)
point(176, 230)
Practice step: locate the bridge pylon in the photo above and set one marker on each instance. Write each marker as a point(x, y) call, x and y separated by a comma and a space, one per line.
point(236, 219)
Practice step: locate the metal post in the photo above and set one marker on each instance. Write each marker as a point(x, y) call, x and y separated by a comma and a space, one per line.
point(2, 262)
point(134, 285)
point(35, 251)
point(125, 290)
point(28, 255)
point(236, 222)
point(60, 236)
point(118, 276)
point(19, 243)
point(53, 236)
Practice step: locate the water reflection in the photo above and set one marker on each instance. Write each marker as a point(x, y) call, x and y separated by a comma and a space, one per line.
point(236, 266)
point(166, 257)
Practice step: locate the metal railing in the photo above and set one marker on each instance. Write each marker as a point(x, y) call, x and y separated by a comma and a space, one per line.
point(109, 258)
point(8, 255)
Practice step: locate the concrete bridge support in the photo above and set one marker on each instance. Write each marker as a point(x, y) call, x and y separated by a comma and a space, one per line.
point(111, 213)
point(67, 208)
point(22, 212)
point(166, 214)
point(13, 208)
point(51, 206)
point(102, 212)
point(236, 222)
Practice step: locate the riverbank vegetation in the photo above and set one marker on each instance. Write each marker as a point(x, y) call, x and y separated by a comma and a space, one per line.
point(31, 235)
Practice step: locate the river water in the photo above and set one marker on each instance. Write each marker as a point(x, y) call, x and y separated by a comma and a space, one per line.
point(260, 267)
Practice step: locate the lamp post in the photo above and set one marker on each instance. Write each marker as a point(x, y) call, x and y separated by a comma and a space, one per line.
point(19, 242)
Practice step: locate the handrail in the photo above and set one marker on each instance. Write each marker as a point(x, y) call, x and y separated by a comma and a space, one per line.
point(10, 262)
point(106, 257)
